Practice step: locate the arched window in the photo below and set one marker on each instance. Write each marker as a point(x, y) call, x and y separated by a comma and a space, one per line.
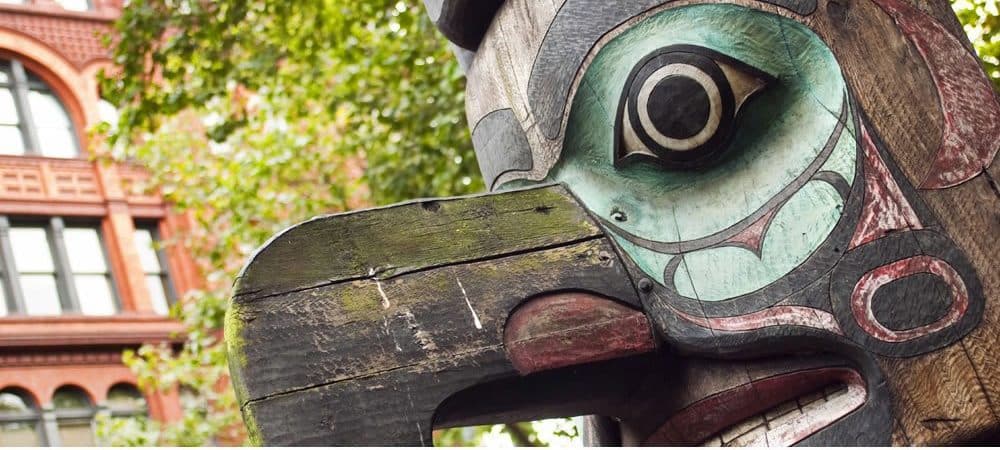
point(74, 416)
point(20, 420)
point(32, 119)
point(125, 400)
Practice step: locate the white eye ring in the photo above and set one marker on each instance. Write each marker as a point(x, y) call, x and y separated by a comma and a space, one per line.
point(714, 115)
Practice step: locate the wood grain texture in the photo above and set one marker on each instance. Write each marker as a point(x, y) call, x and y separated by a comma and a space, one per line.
point(874, 54)
point(353, 245)
point(503, 146)
point(971, 214)
point(937, 399)
point(391, 347)
point(956, 380)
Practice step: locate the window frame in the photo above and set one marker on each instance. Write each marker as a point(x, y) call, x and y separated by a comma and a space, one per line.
point(75, 416)
point(20, 85)
point(127, 412)
point(69, 299)
point(36, 415)
point(166, 279)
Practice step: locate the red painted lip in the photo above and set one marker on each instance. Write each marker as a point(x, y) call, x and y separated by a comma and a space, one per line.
point(698, 422)
point(571, 328)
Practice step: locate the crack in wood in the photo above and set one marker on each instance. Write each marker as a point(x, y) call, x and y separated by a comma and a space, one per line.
point(426, 362)
point(241, 298)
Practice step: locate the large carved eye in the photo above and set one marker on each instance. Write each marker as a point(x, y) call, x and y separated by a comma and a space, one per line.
point(680, 104)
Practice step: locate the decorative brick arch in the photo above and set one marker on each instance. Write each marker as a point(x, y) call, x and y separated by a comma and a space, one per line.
point(32, 396)
point(94, 399)
point(75, 88)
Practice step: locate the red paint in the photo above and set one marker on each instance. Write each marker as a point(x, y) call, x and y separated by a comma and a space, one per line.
point(705, 418)
point(885, 207)
point(752, 237)
point(568, 329)
point(769, 317)
point(971, 112)
point(864, 292)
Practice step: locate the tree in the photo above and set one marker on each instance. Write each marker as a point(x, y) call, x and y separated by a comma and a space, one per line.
point(253, 115)
point(981, 20)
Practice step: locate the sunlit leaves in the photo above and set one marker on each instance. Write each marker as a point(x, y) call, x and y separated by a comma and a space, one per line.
point(981, 20)
point(254, 115)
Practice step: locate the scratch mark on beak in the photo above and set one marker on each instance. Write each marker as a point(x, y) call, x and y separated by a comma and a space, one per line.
point(378, 284)
point(475, 318)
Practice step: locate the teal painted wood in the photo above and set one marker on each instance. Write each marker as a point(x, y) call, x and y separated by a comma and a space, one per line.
point(780, 136)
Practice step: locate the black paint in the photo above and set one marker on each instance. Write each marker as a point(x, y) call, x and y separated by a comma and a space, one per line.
point(712, 150)
point(679, 107)
point(911, 302)
point(463, 22)
point(573, 33)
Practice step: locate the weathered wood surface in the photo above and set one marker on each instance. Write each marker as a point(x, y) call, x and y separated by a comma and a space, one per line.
point(914, 80)
point(863, 232)
point(414, 236)
point(339, 353)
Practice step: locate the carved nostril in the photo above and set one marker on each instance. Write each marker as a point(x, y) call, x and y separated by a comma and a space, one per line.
point(618, 215)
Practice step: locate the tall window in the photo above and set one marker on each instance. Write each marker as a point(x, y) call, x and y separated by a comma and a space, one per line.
point(74, 416)
point(51, 268)
point(20, 420)
point(154, 266)
point(32, 119)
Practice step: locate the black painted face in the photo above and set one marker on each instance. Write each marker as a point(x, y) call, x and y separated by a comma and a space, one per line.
point(679, 107)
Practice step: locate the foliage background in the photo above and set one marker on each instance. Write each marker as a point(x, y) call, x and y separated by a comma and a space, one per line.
point(253, 115)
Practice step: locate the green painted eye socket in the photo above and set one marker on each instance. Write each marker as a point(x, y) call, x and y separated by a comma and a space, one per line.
point(680, 105)
point(760, 164)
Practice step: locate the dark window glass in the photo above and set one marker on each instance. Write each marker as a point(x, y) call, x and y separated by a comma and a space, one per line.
point(74, 416)
point(19, 420)
point(126, 400)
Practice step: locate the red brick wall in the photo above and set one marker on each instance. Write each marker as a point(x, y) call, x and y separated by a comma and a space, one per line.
point(41, 354)
point(76, 39)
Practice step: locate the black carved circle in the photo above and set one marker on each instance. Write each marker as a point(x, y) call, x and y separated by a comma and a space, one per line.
point(894, 247)
point(679, 107)
point(935, 302)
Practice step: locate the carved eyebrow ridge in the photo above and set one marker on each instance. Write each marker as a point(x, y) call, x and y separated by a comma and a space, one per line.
point(566, 45)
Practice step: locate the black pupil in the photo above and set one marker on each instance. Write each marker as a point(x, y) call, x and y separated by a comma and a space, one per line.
point(679, 107)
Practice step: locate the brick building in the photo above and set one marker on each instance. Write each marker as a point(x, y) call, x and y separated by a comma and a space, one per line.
point(79, 277)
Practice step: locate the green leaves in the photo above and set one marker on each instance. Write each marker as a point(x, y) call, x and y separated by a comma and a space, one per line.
point(253, 115)
point(981, 20)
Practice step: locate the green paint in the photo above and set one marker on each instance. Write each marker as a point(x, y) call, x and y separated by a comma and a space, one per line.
point(649, 261)
point(798, 228)
point(778, 135)
point(844, 158)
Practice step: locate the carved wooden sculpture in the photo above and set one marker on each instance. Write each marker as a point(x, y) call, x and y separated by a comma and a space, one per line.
point(748, 222)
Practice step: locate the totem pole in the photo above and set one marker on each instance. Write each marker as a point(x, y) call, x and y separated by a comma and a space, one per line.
point(740, 222)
